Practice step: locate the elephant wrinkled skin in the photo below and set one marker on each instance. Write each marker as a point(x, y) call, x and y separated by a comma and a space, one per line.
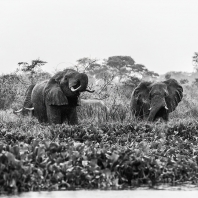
point(54, 101)
point(150, 101)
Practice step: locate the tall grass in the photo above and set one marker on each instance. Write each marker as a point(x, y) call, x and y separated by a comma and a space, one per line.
point(118, 109)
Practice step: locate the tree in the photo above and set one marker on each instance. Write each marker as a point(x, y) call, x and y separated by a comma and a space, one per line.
point(99, 74)
point(8, 89)
point(85, 64)
point(184, 81)
point(195, 82)
point(126, 67)
point(132, 82)
point(167, 76)
point(31, 69)
point(120, 61)
point(195, 61)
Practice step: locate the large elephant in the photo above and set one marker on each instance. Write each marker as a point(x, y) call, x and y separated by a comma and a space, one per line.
point(150, 101)
point(55, 100)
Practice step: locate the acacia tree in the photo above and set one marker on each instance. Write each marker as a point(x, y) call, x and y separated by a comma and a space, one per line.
point(32, 69)
point(85, 64)
point(127, 68)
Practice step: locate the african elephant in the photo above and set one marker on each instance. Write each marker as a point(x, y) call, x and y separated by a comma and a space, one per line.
point(27, 102)
point(150, 101)
point(55, 100)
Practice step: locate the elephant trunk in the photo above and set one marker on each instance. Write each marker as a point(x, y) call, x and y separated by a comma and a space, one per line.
point(83, 83)
point(83, 79)
point(158, 108)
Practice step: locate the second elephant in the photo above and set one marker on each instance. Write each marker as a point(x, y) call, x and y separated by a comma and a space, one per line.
point(27, 104)
point(150, 101)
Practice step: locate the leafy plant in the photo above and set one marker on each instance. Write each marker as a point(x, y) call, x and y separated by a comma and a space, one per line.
point(108, 156)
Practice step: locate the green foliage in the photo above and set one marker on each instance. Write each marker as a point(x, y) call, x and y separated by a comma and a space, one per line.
point(8, 88)
point(195, 82)
point(86, 64)
point(126, 66)
point(36, 157)
point(132, 82)
point(13, 88)
point(120, 61)
point(32, 68)
point(195, 60)
point(184, 81)
point(167, 76)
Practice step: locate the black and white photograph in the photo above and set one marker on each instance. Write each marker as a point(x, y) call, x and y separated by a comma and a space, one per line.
point(98, 98)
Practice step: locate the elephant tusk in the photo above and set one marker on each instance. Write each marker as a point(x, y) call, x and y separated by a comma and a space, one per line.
point(30, 109)
point(73, 89)
point(166, 107)
point(18, 111)
point(150, 109)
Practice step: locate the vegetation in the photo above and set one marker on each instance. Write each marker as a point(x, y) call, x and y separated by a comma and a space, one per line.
point(107, 150)
point(108, 156)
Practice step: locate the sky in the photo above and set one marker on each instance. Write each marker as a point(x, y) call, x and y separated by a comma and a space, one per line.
point(160, 34)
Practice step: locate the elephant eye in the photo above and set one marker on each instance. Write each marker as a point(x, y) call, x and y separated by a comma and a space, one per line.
point(166, 94)
point(65, 78)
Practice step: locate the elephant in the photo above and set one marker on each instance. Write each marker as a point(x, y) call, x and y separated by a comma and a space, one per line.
point(55, 100)
point(150, 101)
point(27, 103)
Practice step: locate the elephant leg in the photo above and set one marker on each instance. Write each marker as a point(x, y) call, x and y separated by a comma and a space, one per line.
point(40, 113)
point(165, 117)
point(54, 114)
point(72, 116)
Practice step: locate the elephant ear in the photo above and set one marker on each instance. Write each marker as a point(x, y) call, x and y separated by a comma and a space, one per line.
point(54, 94)
point(141, 92)
point(140, 99)
point(175, 94)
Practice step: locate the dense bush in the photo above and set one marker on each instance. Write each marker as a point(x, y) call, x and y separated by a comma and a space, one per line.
point(13, 88)
point(8, 88)
point(107, 156)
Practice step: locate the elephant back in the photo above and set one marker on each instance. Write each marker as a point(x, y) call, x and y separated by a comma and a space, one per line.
point(38, 92)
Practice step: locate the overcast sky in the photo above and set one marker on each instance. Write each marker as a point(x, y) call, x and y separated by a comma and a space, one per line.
point(160, 34)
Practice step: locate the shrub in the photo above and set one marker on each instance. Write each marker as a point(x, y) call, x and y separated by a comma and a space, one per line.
point(8, 88)
point(108, 156)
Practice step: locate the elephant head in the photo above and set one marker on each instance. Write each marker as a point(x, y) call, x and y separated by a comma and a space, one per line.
point(155, 100)
point(65, 87)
